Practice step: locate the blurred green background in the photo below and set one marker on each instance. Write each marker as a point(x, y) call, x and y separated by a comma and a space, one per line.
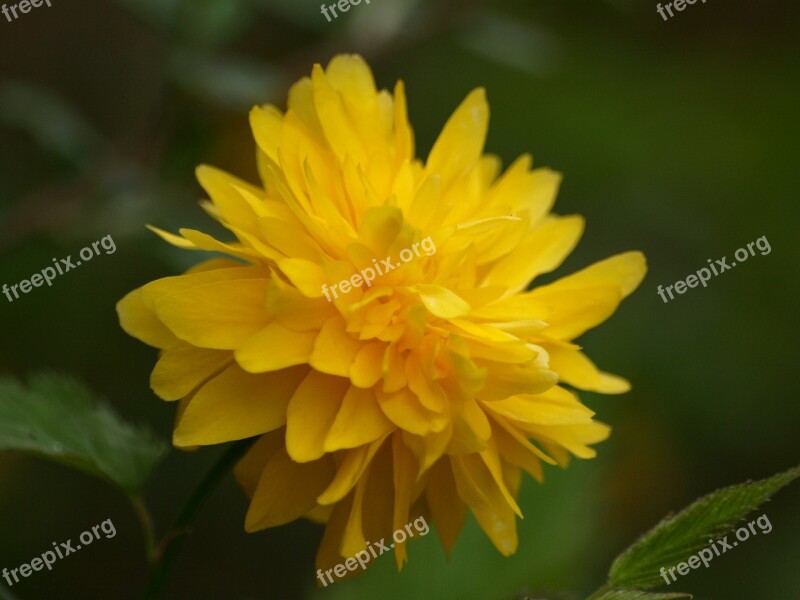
point(679, 138)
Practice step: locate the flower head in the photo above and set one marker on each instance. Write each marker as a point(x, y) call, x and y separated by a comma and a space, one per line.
point(423, 389)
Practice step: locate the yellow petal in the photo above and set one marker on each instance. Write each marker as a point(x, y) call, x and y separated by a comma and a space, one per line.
point(236, 405)
point(508, 379)
point(267, 122)
point(575, 368)
point(140, 321)
point(430, 394)
point(500, 525)
point(206, 242)
point(442, 302)
point(379, 228)
point(429, 448)
point(483, 496)
point(521, 189)
point(404, 410)
point(340, 134)
point(175, 240)
point(541, 250)
point(448, 510)
point(319, 514)
point(289, 239)
point(202, 274)
point(359, 421)
point(394, 376)
point(575, 312)
point(295, 311)
point(306, 276)
point(350, 471)
point(182, 368)
point(275, 347)
point(222, 188)
point(379, 496)
point(367, 367)
point(587, 298)
point(312, 410)
point(219, 315)
point(575, 438)
point(491, 459)
point(353, 539)
point(334, 349)
point(249, 469)
point(520, 307)
point(517, 435)
point(404, 473)
point(556, 406)
point(517, 453)
point(328, 554)
point(287, 490)
point(351, 76)
point(404, 135)
point(461, 141)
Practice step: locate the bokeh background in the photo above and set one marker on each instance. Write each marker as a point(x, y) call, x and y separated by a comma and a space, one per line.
point(679, 138)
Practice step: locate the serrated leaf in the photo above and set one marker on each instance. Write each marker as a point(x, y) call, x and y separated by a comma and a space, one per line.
point(637, 595)
point(678, 537)
point(57, 418)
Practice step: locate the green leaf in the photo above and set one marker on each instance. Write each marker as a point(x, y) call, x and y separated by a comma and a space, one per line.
point(229, 81)
point(53, 123)
point(637, 595)
point(57, 418)
point(677, 537)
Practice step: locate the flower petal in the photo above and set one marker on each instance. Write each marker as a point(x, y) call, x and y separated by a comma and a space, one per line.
point(404, 410)
point(442, 302)
point(350, 470)
point(220, 315)
point(460, 143)
point(575, 368)
point(541, 251)
point(249, 469)
point(334, 349)
point(236, 405)
point(311, 413)
point(367, 367)
point(587, 298)
point(359, 421)
point(275, 347)
point(287, 490)
point(140, 321)
point(182, 368)
point(448, 509)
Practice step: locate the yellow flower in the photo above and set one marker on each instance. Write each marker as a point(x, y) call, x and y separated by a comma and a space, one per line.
point(425, 391)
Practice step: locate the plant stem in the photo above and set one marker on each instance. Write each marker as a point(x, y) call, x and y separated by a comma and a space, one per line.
point(148, 532)
point(6, 594)
point(173, 540)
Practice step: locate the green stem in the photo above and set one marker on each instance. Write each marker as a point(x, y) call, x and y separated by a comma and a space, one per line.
point(148, 531)
point(6, 594)
point(174, 538)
